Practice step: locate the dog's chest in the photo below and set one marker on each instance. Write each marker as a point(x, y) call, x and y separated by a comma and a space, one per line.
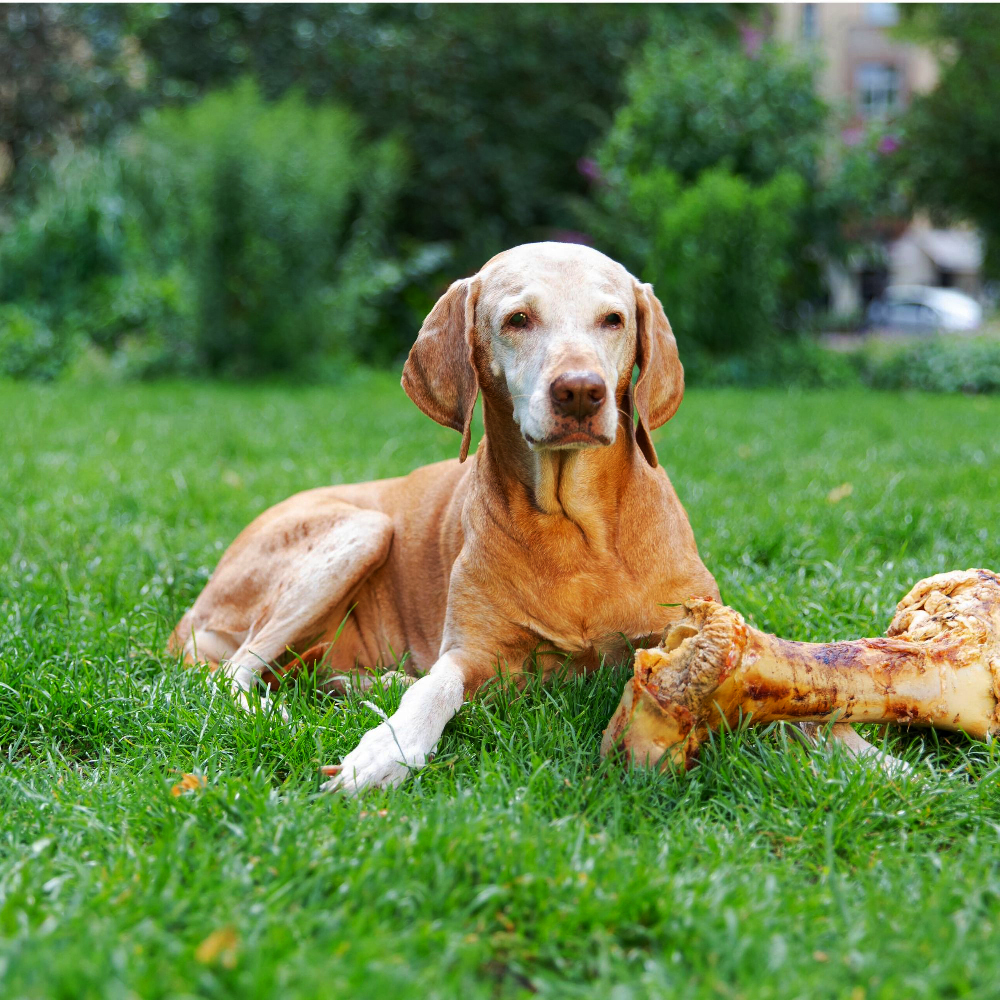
point(592, 611)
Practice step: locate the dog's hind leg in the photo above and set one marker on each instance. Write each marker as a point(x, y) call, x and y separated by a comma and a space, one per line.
point(279, 584)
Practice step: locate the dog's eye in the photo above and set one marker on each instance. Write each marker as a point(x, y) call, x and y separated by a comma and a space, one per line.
point(518, 320)
point(613, 319)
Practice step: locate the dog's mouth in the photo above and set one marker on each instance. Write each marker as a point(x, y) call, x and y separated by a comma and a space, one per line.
point(572, 439)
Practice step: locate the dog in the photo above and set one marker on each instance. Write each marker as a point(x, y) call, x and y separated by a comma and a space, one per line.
point(560, 540)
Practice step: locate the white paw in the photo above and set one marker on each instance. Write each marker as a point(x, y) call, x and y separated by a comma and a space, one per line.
point(244, 681)
point(892, 767)
point(265, 704)
point(382, 759)
point(387, 754)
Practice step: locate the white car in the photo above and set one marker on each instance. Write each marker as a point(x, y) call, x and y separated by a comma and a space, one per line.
point(921, 307)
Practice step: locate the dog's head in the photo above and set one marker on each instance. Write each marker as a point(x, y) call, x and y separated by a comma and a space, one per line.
point(554, 330)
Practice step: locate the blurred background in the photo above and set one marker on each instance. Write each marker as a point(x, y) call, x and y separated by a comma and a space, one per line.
point(249, 190)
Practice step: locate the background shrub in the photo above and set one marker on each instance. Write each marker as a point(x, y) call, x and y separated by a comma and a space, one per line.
point(74, 235)
point(798, 362)
point(279, 210)
point(61, 262)
point(28, 348)
point(716, 250)
point(233, 236)
point(711, 141)
point(939, 364)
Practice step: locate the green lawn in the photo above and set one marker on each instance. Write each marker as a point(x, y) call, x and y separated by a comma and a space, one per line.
point(517, 862)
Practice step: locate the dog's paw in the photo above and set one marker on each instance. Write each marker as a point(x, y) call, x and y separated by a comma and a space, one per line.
point(250, 693)
point(264, 704)
point(380, 760)
point(891, 767)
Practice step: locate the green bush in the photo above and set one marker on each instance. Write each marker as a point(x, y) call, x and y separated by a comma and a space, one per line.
point(711, 140)
point(233, 236)
point(701, 103)
point(75, 234)
point(717, 251)
point(60, 262)
point(799, 363)
point(85, 265)
point(940, 364)
point(28, 348)
point(279, 211)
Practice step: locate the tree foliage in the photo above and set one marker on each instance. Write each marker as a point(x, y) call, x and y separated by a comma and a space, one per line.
point(696, 104)
point(496, 103)
point(952, 149)
point(66, 72)
point(709, 186)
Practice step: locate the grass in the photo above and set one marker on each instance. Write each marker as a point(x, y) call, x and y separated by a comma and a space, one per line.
point(518, 862)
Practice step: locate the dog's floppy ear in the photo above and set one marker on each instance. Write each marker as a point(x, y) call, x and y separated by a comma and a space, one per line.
point(660, 386)
point(439, 375)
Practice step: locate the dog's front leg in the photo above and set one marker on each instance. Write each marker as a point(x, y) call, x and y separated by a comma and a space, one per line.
point(387, 754)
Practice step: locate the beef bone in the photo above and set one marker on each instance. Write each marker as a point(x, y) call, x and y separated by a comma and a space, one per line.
point(939, 665)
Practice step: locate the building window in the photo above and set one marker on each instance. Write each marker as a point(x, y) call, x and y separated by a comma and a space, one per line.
point(881, 15)
point(810, 21)
point(877, 88)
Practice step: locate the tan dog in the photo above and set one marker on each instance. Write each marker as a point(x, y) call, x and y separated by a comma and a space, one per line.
point(562, 536)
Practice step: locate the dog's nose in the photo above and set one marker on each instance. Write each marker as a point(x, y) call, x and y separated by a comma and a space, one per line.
point(578, 394)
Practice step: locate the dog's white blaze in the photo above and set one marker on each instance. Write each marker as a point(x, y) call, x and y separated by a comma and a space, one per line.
point(567, 343)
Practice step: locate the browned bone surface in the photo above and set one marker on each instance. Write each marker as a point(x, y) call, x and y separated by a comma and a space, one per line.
point(938, 666)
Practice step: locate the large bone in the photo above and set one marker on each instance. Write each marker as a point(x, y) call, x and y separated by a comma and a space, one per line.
point(939, 666)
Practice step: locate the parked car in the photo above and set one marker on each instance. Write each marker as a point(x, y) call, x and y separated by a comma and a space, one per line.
point(920, 308)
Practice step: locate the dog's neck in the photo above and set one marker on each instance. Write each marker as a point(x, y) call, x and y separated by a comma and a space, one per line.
point(584, 486)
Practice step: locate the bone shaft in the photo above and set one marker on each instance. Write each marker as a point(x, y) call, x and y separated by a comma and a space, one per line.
point(865, 680)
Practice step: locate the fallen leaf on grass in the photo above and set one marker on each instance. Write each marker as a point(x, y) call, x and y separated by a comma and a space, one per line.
point(188, 783)
point(220, 946)
point(840, 492)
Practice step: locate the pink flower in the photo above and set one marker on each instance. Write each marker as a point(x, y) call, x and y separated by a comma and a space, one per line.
point(888, 144)
point(753, 40)
point(588, 168)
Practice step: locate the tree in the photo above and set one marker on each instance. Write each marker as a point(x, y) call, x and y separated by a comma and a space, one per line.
point(65, 72)
point(702, 103)
point(710, 186)
point(495, 102)
point(951, 152)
